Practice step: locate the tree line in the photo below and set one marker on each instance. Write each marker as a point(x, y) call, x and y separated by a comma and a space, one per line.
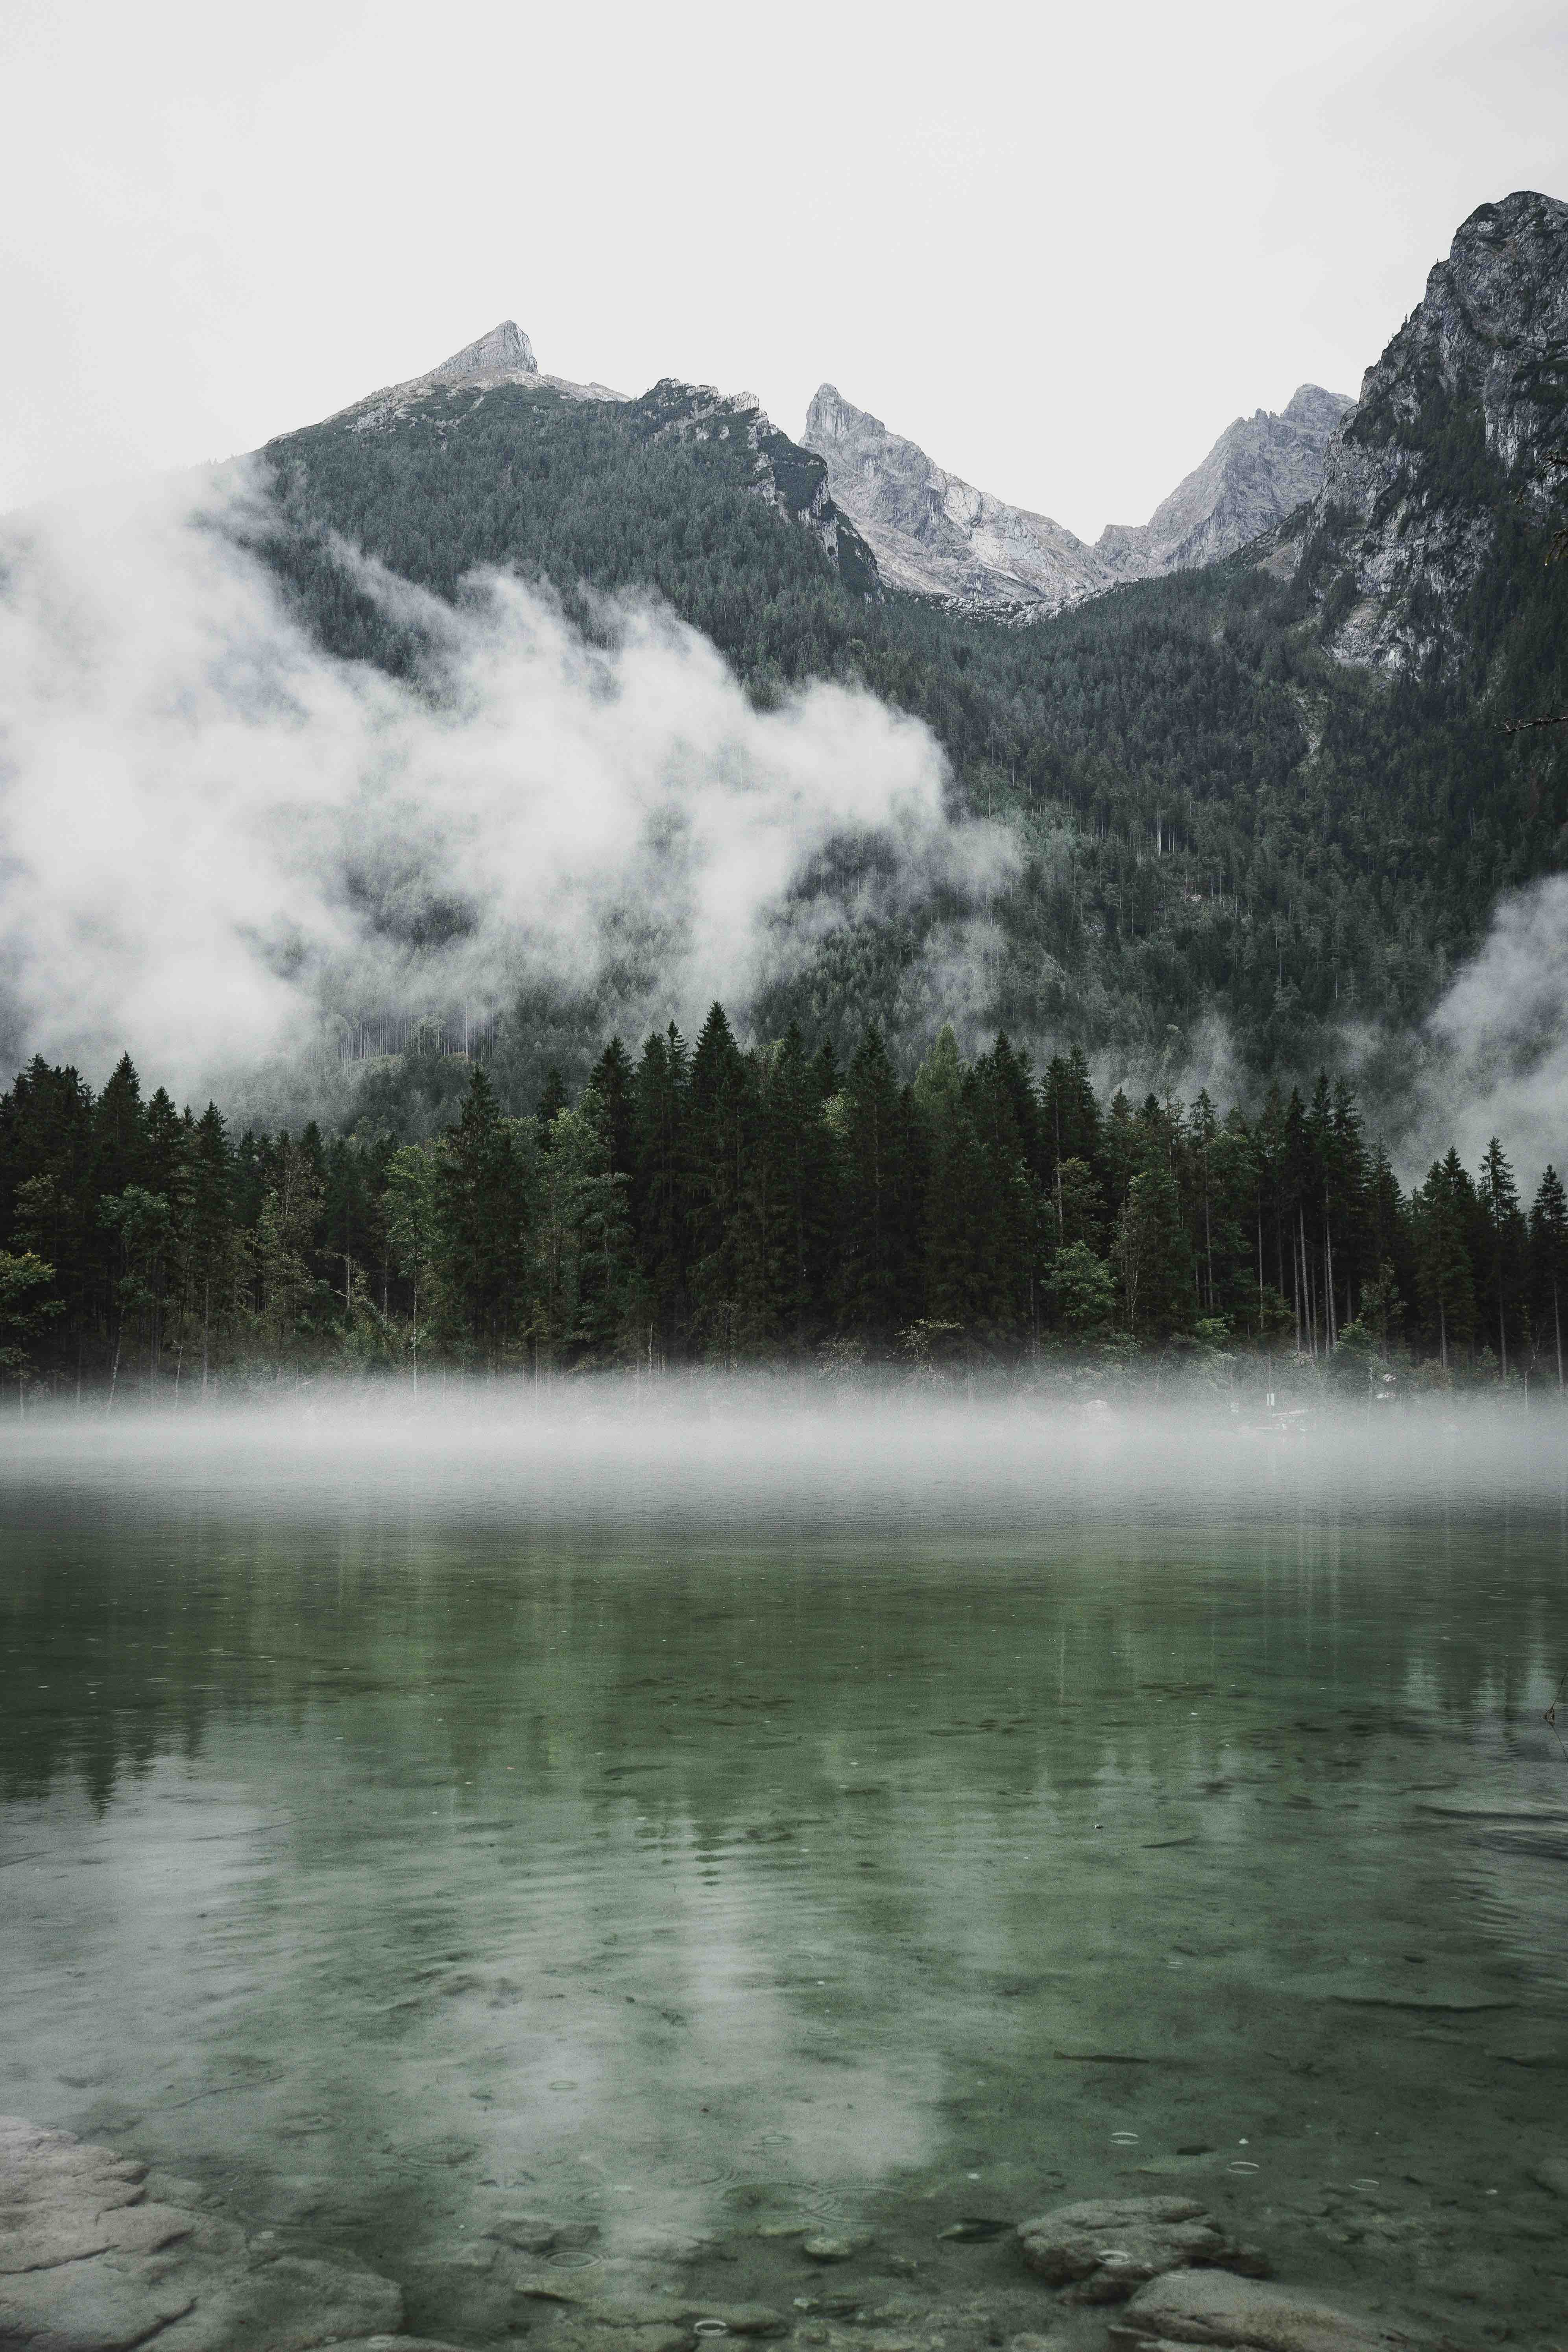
point(713, 1204)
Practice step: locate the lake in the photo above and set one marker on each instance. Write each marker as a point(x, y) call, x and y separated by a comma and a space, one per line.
point(666, 1832)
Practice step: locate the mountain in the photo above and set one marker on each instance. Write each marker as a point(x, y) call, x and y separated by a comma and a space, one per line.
point(503, 356)
point(1446, 469)
point(485, 460)
point(1260, 469)
point(935, 535)
point(1262, 798)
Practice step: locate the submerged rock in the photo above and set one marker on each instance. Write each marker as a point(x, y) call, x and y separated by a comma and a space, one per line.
point(838, 2248)
point(1215, 2307)
point(89, 2263)
point(1105, 2248)
point(1552, 2173)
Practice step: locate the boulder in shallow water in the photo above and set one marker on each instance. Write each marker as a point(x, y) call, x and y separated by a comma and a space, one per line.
point(89, 2264)
point(1552, 2173)
point(1241, 2315)
point(1107, 2247)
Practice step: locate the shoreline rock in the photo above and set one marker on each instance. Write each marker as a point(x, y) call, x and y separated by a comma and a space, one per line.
point(88, 2263)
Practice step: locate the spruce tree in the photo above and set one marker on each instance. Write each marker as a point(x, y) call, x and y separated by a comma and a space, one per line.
point(485, 1205)
point(1549, 1258)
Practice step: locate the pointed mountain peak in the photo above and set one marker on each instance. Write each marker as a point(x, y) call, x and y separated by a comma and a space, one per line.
point(831, 417)
point(506, 349)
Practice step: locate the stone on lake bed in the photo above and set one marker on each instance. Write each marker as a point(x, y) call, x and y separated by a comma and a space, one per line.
point(89, 2263)
point(838, 2248)
point(1552, 2173)
point(1105, 2248)
point(743, 2318)
point(1215, 2307)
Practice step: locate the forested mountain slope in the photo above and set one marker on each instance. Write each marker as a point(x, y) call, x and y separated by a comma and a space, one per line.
point(1239, 791)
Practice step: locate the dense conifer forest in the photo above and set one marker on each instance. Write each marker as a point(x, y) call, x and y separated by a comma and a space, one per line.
point(1217, 818)
point(699, 1204)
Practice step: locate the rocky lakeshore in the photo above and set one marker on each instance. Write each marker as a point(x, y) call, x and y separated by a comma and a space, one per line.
point(97, 2253)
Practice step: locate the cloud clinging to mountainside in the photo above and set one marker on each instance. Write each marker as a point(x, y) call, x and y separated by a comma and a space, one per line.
point(216, 841)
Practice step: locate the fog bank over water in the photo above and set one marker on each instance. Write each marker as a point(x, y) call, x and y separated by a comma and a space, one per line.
point(778, 1452)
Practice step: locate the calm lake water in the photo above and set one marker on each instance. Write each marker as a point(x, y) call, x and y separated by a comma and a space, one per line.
point(675, 1832)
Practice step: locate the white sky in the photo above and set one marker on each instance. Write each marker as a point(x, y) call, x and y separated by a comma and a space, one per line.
point(1060, 246)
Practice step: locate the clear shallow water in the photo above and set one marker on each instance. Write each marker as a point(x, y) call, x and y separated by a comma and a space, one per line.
point(399, 1838)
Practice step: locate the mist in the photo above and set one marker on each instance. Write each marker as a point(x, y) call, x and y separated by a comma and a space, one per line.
point(220, 845)
point(1491, 1057)
point(774, 1451)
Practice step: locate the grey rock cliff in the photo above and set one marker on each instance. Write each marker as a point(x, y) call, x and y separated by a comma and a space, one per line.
point(504, 355)
point(938, 536)
point(1261, 468)
point(506, 349)
point(1452, 429)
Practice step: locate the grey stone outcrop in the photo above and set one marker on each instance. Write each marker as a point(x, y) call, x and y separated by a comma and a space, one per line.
point(1242, 2314)
point(1105, 2248)
point(90, 2263)
point(1455, 421)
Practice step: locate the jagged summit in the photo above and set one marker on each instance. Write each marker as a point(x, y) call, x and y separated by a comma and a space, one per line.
point(504, 355)
point(1455, 430)
point(505, 349)
point(1260, 471)
point(936, 535)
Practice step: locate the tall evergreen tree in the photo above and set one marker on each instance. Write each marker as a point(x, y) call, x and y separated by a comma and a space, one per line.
point(484, 1190)
point(1548, 1259)
point(879, 1195)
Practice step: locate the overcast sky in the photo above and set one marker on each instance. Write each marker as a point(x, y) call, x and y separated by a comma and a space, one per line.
point(1061, 246)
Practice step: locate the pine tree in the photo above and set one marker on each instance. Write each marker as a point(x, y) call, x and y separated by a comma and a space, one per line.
point(661, 1185)
point(1443, 1274)
point(1549, 1257)
point(483, 1189)
point(1497, 1195)
point(879, 1191)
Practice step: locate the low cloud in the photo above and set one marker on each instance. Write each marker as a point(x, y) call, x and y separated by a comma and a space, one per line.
point(219, 843)
point(1494, 1053)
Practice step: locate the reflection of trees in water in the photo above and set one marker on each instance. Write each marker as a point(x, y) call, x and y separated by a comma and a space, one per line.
point(741, 1667)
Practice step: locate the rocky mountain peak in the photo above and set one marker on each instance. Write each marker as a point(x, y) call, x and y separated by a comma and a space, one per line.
point(830, 417)
point(1453, 429)
point(506, 349)
point(936, 535)
point(1260, 471)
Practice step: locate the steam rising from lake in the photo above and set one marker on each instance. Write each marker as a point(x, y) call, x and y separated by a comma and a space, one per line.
point(219, 844)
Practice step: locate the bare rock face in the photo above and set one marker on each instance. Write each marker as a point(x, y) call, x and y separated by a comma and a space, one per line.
point(935, 535)
point(1451, 433)
point(938, 536)
point(1260, 471)
point(505, 350)
point(504, 355)
point(1213, 2307)
point(89, 2264)
point(1106, 2247)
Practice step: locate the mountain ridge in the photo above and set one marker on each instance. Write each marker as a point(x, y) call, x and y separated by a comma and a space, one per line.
point(1451, 441)
point(935, 534)
point(1231, 814)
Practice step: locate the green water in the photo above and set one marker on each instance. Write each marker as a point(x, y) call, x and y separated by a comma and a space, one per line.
point(392, 1867)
